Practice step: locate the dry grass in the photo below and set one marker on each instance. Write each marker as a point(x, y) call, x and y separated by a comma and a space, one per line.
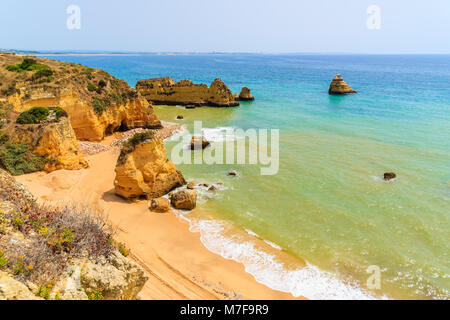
point(51, 237)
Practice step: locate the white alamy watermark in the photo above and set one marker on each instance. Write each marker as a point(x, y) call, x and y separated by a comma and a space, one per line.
point(258, 147)
point(373, 17)
point(374, 280)
point(74, 19)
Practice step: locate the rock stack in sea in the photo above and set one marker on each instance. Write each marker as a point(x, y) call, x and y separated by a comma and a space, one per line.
point(246, 95)
point(339, 86)
point(143, 169)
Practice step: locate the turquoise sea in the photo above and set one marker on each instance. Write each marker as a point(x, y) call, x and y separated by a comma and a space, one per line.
point(328, 205)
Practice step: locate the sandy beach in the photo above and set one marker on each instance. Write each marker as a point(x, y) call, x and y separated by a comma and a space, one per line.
point(177, 263)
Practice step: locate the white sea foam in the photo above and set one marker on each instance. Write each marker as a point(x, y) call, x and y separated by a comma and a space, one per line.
point(309, 281)
point(219, 134)
point(273, 245)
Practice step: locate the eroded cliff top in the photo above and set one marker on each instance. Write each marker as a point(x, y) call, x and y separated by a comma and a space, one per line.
point(185, 92)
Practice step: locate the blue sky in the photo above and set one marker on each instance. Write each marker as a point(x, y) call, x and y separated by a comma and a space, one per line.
point(414, 26)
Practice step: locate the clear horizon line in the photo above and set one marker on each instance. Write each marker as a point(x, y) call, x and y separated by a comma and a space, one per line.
point(123, 52)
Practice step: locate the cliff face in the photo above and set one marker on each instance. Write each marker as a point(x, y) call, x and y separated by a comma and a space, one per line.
point(146, 171)
point(54, 141)
point(165, 91)
point(97, 103)
point(339, 86)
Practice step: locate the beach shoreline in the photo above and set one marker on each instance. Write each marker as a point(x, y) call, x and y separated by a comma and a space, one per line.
point(178, 264)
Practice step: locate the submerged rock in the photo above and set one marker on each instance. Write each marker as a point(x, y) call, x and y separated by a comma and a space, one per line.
point(339, 86)
point(146, 171)
point(180, 117)
point(184, 199)
point(246, 95)
point(232, 173)
point(198, 142)
point(389, 176)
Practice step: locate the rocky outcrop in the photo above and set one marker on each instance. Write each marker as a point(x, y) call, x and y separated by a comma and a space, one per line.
point(184, 199)
point(11, 289)
point(165, 91)
point(97, 103)
point(246, 95)
point(55, 141)
point(160, 205)
point(146, 171)
point(117, 278)
point(339, 86)
point(199, 142)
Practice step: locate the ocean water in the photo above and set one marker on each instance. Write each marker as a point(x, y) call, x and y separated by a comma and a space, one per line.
point(328, 205)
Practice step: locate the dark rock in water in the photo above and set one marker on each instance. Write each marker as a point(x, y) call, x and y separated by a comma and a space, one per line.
point(246, 95)
point(389, 176)
point(180, 117)
point(191, 106)
point(338, 86)
point(191, 185)
point(232, 173)
point(212, 188)
point(198, 142)
point(184, 199)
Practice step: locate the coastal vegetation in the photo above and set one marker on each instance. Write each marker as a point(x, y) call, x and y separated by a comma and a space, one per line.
point(18, 158)
point(130, 145)
point(33, 115)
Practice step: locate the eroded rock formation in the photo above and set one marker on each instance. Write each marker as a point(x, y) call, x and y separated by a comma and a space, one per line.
point(246, 95)
point(97, 103)
point(339, 86)
point(54, 141)
point(146, 171)
point(166, 92)
point(184, 199)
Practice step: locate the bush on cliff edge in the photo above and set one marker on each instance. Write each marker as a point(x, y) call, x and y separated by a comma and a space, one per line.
point(33, 115)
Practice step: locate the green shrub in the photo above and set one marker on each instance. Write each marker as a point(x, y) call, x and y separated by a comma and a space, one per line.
point(91, 87)
point(42, 73)
point(3, 260)
point(60, 113)
point(14, 68)
point(18, 159)
point(99, 105)
point(27, 64)
point(9, 90)
point(33, 115)
point(96, 295)
point(4, 138)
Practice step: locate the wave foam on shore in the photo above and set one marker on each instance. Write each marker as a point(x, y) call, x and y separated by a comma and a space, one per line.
point(309, 281)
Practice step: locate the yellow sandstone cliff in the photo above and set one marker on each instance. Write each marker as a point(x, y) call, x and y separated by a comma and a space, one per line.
point(145, 171)
point(167, 92)
point(97, 103)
